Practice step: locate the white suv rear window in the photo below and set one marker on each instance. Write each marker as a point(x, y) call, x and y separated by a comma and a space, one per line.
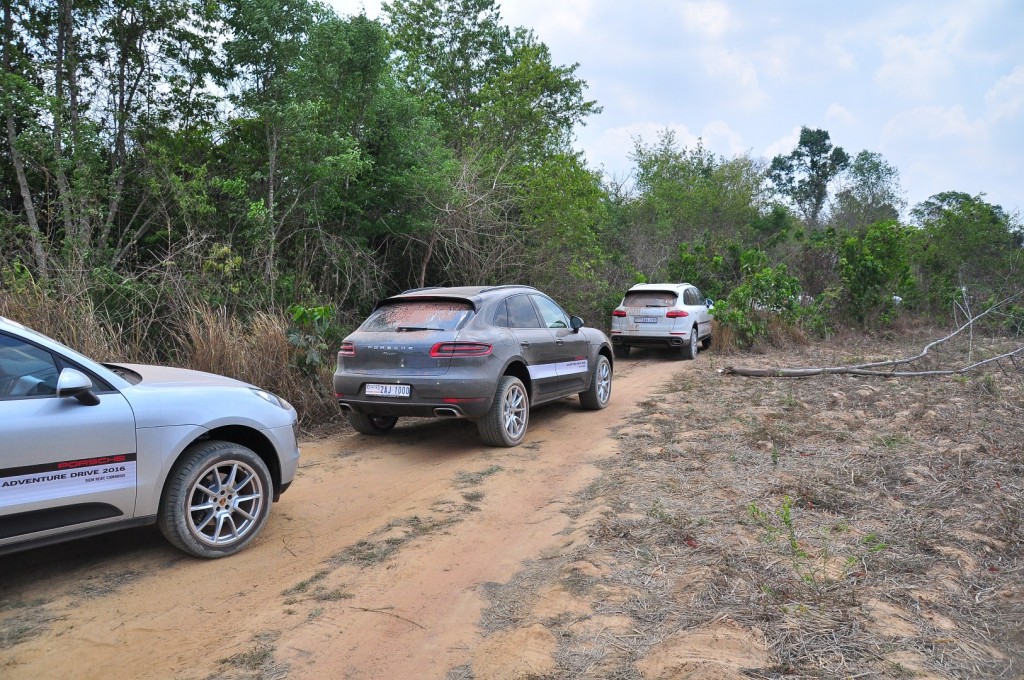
point(650, 298)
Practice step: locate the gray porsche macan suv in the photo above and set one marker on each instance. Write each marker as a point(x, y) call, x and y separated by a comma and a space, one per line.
point(483, 353)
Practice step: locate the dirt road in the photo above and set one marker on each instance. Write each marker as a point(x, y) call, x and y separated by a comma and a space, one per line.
point(373, 564)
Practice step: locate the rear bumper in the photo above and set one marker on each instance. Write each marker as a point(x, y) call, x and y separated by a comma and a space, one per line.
point(650, 340)
point(462, 398)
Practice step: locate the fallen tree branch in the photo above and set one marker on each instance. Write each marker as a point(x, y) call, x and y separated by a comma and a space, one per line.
point(857, 370)
point(871, 368)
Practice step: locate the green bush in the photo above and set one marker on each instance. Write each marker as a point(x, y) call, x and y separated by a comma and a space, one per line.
point(766, 295)
point(874, 266)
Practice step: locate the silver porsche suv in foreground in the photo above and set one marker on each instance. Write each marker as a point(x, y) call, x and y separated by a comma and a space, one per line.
point(482, 353)
point(87, 448)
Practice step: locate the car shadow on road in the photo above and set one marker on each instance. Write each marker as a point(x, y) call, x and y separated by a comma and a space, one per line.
point(109, 555)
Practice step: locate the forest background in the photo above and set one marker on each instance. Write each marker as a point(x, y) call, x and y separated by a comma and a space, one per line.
point(232, 186)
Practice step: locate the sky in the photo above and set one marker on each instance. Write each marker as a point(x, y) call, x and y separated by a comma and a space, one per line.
point(935, 86)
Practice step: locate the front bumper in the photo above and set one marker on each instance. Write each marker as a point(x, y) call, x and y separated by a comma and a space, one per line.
point(287, 447)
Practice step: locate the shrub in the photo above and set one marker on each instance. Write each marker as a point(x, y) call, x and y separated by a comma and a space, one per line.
point(767, 305)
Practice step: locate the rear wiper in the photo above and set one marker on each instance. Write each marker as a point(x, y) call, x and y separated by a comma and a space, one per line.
point(405, 329)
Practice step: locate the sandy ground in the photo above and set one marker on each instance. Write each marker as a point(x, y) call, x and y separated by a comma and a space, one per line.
point(372, 565)
point(703, 527)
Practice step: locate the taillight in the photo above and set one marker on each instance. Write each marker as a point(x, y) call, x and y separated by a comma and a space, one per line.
point(348, 349)
point(676, 313)
point(619, 312)
point(448, 350)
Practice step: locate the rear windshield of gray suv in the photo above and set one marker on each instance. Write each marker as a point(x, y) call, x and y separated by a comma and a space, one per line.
point(418, 315)
point(650, 298)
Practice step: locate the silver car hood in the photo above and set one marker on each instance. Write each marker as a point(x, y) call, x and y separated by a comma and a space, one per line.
point(168, 376)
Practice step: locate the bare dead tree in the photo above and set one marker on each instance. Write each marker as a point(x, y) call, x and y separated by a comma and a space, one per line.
point(476, 234)
point(876, 368)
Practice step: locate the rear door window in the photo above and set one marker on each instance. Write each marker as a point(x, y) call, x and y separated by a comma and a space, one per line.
point(650, 298)
point(691, 297)
point(521, 313)
point(501, 315)
point(418, 315)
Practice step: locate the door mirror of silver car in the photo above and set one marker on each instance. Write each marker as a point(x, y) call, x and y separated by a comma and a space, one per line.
point(576, 323)
point(710, 303)
point(74, 383)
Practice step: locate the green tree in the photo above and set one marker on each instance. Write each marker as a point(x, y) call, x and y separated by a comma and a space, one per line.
point(803, 176)
point(687, 196)
point(486, 84)
point(874, 266)
point(870, 193)
point(88, 86)
point(965, 242)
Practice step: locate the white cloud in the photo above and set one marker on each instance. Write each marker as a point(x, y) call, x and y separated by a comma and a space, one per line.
point(735, 72)
point(1006, 98)
point(783, 146)
point(548, 18)
point(917, 65)
point(722, 140)
point(707, 17)
point(838, 113)
point(933, 123)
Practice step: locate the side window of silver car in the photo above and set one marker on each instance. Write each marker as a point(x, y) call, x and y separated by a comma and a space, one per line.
point(25, 370)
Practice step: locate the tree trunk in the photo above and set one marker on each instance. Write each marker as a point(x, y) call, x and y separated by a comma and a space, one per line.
point(35, 235)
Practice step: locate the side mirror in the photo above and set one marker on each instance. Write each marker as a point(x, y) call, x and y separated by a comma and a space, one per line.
point(710, 303)
point(74, 383)
point(575, 323)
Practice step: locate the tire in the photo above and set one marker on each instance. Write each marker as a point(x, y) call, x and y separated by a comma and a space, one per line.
point(216, 499)
point(600, 392)
point(705, 343)
point(690, 348)
point(505, 424)
point(620, 351)
point(368, 423)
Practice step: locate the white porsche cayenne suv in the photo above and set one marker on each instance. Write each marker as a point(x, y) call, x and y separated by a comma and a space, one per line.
point(675, 315)
point(87, 448)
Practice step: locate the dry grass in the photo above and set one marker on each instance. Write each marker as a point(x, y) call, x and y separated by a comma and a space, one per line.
point(256, 351)
point(200, 337)
point(70, 319)
point(851, 527)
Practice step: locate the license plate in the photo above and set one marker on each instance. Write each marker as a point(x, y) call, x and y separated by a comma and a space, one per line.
point(645, 319)
point(395, 391)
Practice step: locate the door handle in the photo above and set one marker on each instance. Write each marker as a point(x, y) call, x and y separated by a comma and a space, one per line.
point(559, 341)
point(524, 344)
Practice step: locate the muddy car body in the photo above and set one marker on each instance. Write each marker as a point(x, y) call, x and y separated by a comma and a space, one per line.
point(482, 353)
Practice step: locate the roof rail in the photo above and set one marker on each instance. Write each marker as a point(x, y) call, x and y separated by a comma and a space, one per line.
point(506, 285)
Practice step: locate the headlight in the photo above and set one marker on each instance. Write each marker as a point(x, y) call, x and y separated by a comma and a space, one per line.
point(273, 399)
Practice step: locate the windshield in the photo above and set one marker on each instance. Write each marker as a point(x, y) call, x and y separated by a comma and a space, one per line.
point(418, 315)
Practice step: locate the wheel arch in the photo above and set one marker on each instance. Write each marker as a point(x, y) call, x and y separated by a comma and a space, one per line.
point(519, 370)
point(248, 437)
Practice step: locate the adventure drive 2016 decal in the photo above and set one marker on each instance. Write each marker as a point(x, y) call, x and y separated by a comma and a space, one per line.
point(66, 478)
